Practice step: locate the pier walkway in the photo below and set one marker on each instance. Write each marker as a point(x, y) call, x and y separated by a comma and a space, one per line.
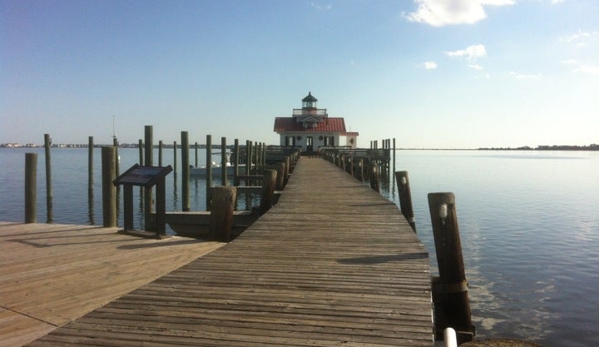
point(333, 263)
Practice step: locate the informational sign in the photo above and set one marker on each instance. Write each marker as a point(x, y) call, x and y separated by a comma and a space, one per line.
point(145, 176)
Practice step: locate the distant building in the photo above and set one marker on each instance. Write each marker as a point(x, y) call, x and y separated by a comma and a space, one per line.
point(311, 128)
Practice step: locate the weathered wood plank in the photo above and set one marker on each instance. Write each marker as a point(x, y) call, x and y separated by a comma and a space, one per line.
point(52, 274)
point(332, 263)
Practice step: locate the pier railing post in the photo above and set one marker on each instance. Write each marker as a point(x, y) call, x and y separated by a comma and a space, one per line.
point(30, 187)
point(108, 188)
point(405, 197)
point(221, 212)
point(450, 290)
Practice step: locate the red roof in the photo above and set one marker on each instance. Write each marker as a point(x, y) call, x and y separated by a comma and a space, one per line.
point(329, 124)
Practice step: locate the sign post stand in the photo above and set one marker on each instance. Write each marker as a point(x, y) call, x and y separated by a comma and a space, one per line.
point(147, 177)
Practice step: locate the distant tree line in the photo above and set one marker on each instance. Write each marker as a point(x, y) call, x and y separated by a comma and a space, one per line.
point(591, 147)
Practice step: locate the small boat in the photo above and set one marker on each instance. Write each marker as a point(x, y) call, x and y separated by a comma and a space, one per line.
point(217, 170)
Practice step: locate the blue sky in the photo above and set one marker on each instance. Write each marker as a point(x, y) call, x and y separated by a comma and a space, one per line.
point(430, 73)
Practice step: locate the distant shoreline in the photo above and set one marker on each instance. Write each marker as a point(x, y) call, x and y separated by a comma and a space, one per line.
point(591, 147)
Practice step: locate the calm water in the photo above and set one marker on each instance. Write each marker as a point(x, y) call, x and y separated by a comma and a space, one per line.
point(529, 224)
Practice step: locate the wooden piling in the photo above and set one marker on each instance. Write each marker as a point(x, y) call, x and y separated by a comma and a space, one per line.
point(405, 197)
point(148, 161)
point(236, 163)
point(140, 145)
point(450, 289)
point(223, 161)
point(374, 177)
point(196, 147)
point(221, 213)
point(160, 147)
point(248, 158)
point(185, 170)
point(90, 178)
point(208, 171)
point(268, 190)
point(30, 187)
point(47, 144)
point(115, 143)
point(108, 188)
point(175, 157)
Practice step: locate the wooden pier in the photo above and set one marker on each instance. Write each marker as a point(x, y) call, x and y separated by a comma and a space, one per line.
point(52, 274)
point(333, 263)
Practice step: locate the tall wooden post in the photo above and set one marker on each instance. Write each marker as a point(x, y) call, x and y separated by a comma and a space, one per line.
point(115, 143)
point(221, 213)
point(148, 161)
point(196, 153)
point(108, 188)
point(140, 145)
point(185, 169)
point(90, 179)
point(175, 157)
point(160, 147)
point(450, 289)
point(374, 176)
point(268, 190)
point(405, 197)
point(248, 158)
point(47, 144)
point(236, 163)
point(208, 171)
point(30, 187)
point(223, 161)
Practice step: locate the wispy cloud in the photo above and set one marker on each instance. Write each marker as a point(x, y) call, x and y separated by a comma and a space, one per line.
point(521, 76)
point(321, 7)
point(557, 1)
point(581, 38)
point(429, 65)
point(471, 53)
point(476, 67)
point(447, 12)
point(578, 67)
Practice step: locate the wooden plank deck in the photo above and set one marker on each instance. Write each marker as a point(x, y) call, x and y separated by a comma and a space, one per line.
point(333, 263)
point(52, 274)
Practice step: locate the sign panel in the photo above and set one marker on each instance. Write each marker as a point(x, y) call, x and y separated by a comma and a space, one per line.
point(145, 176)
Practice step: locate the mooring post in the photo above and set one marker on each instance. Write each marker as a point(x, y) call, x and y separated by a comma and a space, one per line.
point(221, 213)
point(175, 157)
point(374, 177)
point(108, 188)
point(47, 144)
point(223, 161)
point(268, 190)
point(405, 197)
point(450, 289)
point(185, 170)
point(160, 147)
point(30, 187)
point(236, 163)
point(148, 161)
point(140, 146)
point(208, 171)
point(248, 159)
point(90, 179)
point(196, 147)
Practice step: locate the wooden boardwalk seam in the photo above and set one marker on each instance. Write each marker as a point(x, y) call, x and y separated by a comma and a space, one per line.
point(333, 263)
